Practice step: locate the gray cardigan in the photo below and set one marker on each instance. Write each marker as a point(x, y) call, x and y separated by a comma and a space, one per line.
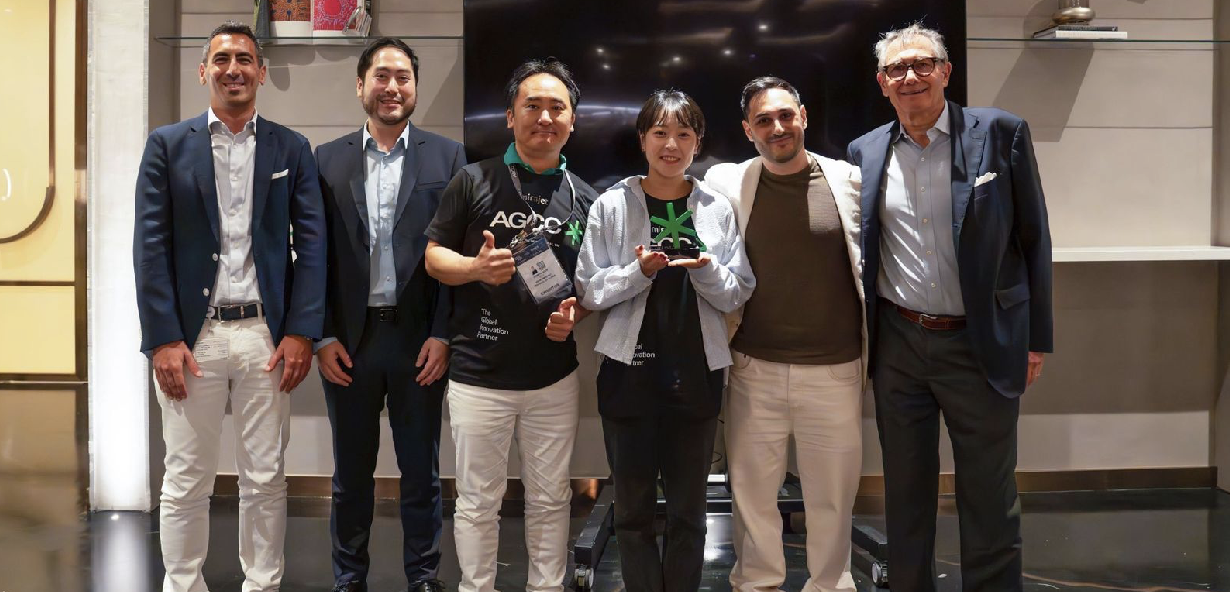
point(609, 277)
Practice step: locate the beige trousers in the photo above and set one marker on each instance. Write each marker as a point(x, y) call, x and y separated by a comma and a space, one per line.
point(821, 407)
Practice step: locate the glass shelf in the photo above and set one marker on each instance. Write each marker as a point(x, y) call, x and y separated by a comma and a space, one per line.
point(984, 42)
point(197, 41)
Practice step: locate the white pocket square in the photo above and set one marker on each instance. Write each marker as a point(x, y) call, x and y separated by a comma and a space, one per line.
point(279, 175)
point(987, 178)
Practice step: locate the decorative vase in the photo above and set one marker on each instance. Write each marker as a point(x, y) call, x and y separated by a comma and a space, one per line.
point(329, 17)
point(291, 18)
point(1073, 12)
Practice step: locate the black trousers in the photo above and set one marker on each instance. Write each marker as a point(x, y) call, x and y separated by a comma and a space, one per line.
point(384, 370)
point(921, 374)
point(664, 441)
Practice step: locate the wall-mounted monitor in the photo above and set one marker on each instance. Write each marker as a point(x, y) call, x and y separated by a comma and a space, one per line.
point(621, 51)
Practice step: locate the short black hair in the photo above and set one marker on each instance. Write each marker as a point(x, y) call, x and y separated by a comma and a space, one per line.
point(672, 103)
point(550, 66)
point(759, 85)
point(365, 59)
point(233, 28)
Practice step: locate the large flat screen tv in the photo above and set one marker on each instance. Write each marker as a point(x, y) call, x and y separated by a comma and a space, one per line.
point(620, 51)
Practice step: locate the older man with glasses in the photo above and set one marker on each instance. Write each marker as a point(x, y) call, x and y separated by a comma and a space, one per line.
point(957, 277)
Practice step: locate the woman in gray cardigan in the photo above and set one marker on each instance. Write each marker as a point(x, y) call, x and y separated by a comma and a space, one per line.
point(663, 259)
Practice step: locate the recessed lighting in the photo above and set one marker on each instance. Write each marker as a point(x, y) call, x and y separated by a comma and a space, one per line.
point(728, 52)
point(677, 59)
point(764, 26)
point(600, 51)
point(606, 66)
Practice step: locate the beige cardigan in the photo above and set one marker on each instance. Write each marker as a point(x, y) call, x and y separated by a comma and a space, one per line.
point(738, 183)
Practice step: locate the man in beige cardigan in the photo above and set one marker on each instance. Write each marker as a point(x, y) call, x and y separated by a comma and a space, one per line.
point(799, 345)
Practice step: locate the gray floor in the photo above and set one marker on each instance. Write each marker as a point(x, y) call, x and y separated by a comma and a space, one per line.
point(1140, 541)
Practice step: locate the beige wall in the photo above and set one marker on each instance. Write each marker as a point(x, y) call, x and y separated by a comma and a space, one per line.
point(1123, 134)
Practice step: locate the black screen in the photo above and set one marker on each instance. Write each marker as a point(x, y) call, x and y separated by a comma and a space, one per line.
point(620, 51)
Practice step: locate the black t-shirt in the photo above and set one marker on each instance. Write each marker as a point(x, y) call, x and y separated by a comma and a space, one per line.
point(669, 369)
point(497, 333)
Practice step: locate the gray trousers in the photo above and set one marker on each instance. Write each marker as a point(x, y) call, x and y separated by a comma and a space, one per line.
point(921, 374)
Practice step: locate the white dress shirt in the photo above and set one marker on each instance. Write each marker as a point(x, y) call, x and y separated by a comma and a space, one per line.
point(918, 262)
point(234, 166)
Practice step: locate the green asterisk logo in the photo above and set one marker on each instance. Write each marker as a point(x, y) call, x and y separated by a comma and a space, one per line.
point(674, 226)
point(575, 233)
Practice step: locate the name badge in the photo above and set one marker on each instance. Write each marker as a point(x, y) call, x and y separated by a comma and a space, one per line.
point(539, 269)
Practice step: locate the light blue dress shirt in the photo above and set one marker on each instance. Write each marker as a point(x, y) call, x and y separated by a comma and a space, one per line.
point(918, 268)
point(381, 182)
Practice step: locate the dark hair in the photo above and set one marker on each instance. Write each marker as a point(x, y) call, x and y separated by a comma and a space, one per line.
point(665, 104)
point(365, 60)
point(550, 66)
point(759, 85)
point(233, 28)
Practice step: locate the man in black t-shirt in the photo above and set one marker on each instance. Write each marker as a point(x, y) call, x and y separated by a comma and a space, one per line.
point(513, 363)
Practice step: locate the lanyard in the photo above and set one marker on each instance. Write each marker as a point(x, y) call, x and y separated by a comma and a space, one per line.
point(545, 201)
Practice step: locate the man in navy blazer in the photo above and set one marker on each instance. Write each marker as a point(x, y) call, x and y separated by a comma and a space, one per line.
point(221, 293)
point(957, 277)
point(386, 320)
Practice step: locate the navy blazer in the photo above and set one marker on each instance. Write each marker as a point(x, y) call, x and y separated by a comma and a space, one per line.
point(429, 164)
point(1000, 231)
point(175, 239)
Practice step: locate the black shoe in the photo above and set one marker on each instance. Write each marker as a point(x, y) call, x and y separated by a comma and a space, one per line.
point(427, 586)
point(350, 586)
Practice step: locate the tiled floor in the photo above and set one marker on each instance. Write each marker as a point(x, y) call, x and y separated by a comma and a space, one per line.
point(1154, 541)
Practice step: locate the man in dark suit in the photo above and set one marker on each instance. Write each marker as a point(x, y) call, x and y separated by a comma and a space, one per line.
point(386, 319)
point(957, 277)
point(217, 288)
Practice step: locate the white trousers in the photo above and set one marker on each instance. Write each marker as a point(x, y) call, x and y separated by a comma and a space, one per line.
point(821, 406)
point(484, 422)
point(232, 356)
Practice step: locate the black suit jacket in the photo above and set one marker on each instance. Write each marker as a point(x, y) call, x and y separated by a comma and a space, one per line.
point(175, 237)
point(430, 163)
point(1000, 230)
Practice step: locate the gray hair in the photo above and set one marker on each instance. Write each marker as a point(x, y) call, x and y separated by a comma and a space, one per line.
point(234, 28)
point(907, 35)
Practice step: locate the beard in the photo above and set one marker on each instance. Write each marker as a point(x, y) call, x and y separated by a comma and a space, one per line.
point(371, 105)
point(782, 155)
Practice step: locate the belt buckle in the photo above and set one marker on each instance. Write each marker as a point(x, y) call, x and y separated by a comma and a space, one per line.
point(922, 316)
point(388, 315)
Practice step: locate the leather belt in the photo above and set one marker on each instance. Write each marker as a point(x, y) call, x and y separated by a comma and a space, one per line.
point(930, 321)
point(234, 312)
point(387, 314)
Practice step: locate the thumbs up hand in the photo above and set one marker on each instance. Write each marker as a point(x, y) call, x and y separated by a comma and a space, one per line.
point(492, 266)
point(560, 323)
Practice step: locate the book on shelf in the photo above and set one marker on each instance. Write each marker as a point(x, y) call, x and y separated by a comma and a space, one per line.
point(1087, 32)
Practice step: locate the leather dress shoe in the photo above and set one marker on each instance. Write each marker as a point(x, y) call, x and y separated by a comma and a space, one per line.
point(427, 586)
point(351, 586)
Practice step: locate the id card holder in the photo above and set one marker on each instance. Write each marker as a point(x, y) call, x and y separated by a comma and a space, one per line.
point(538, 267)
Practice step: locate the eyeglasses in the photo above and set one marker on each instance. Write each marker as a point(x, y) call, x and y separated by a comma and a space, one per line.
point(921, 67)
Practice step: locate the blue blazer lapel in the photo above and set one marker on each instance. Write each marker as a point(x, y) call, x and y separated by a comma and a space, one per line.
point(358, 190)
point(967, 141)
point(876, 159)
point(202, 151)
point(266, 151)
point(410, 165)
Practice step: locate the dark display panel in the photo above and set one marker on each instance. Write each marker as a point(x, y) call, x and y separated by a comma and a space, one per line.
point(620, 51)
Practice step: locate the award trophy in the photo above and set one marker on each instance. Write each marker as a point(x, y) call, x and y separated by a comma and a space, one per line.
point(1072, 21)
